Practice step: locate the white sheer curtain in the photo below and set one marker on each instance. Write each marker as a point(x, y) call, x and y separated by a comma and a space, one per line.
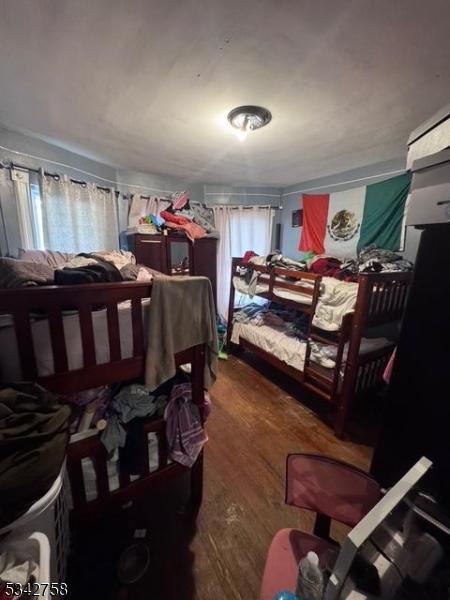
point(16, 212)
point(21, 184)
point(240, 229)
point(78, 218)
point(251, 229)
point(222, 220)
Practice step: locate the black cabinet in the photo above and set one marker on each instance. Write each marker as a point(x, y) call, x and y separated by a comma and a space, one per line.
point(417, 413)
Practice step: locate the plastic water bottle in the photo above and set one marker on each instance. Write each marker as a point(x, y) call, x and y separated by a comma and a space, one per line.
point(285, 596)
point(310, 578)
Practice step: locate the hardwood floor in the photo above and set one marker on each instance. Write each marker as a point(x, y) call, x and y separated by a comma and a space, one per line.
point(254, 424)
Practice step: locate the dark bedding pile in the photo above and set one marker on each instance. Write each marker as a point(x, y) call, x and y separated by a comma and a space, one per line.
point(34, 268)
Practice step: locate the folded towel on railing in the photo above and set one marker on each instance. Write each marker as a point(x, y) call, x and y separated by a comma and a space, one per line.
point(181, 315)
point(185, 434)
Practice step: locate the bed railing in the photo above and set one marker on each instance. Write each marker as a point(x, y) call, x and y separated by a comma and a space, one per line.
point(92, 449)
point(381, 299)
point(386, 296)
point(307, 284)
point(51, 302)
point(300, 282)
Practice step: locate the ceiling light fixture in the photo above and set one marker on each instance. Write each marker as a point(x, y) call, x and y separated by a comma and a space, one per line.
point(248, 118)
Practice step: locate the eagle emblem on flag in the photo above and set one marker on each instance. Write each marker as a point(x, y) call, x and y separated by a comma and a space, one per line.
point(344, 226)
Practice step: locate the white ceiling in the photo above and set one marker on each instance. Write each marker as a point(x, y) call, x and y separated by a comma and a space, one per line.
point(146, 84)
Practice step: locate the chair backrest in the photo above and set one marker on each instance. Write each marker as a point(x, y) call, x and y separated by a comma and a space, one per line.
point(329, 487)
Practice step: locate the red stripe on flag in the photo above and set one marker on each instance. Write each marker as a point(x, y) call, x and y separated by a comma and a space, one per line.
point(315, 214)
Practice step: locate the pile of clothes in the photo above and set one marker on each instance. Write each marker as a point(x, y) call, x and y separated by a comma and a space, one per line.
point(290, 321)
point(43, 267)
point(370, 260)
point(102, 267)
point(180, 214)
point(376, 260)
point(120, 416)
point(274, 259)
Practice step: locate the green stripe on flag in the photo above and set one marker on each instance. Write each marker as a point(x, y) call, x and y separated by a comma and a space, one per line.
point(383, 213)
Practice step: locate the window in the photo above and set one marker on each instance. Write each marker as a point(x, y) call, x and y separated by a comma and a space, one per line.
point(72, 217)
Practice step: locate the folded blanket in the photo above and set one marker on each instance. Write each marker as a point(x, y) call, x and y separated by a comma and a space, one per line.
point(16, 273)
point(181, 315)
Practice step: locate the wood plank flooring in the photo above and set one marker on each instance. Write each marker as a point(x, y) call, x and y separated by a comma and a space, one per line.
point(255, 423)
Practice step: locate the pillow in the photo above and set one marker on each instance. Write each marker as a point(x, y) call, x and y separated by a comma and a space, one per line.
point(16, 273)
point(52, 258)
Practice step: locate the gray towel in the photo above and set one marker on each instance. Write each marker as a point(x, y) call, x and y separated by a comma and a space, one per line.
point(181, 315)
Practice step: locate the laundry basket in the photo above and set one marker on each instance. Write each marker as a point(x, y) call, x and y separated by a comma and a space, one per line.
point(33, 550)
point(49, 515)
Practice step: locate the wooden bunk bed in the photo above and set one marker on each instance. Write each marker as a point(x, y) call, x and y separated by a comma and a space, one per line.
point(380, 300)
point(86, 299)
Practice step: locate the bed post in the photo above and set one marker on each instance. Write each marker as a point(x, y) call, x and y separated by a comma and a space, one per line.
point(234, 263)
point(197, 382)
point(351, 368)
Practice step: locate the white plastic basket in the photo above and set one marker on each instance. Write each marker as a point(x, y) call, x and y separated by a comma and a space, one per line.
point(33, 547)
point(49, 515)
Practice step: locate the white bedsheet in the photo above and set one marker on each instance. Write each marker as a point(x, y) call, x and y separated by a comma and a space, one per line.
point(337, 298)
point(9, 356)
point(289, 349)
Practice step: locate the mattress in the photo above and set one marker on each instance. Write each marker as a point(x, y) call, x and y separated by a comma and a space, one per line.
point(286, 348)
point(290, 349)
point(9, 356)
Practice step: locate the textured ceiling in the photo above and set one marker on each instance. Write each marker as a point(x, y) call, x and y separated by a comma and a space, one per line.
point(147, 84)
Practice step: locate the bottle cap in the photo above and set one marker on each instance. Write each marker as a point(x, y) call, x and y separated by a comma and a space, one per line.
point(313, 558)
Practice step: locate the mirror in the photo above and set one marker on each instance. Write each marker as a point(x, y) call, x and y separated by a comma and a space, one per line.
point(179, 258)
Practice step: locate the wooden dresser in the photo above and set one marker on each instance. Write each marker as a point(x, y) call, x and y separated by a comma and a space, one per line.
point(176, 255)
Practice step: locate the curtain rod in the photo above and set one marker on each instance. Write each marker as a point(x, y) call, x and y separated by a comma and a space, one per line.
point(59, 164)
point(242, 194)
point(55, 176)
point(266, 206)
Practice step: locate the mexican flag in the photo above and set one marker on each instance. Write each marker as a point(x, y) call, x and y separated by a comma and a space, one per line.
point(342, 223)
